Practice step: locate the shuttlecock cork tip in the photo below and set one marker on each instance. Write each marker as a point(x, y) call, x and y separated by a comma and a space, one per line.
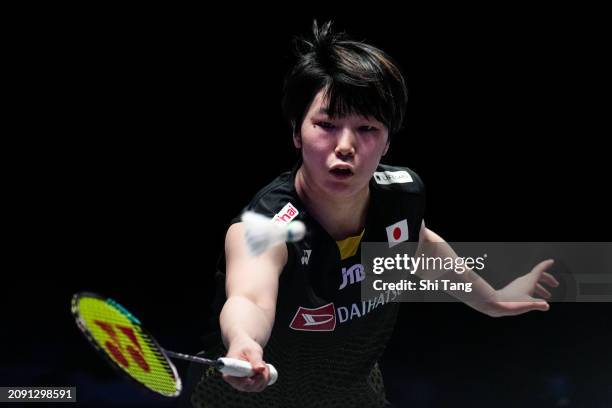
point(296, 230)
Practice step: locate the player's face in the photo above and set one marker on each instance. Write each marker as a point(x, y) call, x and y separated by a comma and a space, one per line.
point(340, 154)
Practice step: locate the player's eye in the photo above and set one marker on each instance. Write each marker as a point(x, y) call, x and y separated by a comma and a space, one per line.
point(325, 125)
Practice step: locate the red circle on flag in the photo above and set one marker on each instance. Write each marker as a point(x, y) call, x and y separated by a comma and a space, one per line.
point(397, 233)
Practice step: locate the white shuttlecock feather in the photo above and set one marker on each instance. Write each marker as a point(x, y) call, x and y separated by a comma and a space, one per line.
point(262, 232)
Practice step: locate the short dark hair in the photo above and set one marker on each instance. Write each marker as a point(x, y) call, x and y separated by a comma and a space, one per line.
point(357, 77)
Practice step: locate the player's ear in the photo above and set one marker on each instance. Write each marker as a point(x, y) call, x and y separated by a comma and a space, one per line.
point(387, 145)
point(297, 138)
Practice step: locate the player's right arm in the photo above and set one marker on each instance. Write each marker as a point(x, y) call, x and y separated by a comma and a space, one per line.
point(247, 316)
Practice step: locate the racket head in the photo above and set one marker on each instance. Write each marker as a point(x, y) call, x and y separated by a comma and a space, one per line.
point(119, 336)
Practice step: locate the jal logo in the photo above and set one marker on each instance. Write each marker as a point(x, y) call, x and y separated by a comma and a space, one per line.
point(352, 275)
point(397, 233)
point(391, 177)
point(320, 319)
point(286, 214)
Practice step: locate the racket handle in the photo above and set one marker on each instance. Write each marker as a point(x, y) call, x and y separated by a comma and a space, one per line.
point(241, 368)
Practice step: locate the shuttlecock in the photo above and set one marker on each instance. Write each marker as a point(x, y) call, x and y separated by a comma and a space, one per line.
point(262, 232)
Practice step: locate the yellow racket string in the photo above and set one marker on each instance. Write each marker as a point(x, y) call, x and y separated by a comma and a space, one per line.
point(119, 335)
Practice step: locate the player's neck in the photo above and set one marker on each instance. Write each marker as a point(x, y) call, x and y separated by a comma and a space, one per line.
point(341, 217)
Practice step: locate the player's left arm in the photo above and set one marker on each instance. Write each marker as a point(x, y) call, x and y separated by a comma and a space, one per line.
point(516, 298)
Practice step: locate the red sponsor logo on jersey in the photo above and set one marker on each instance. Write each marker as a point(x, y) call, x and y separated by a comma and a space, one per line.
point(320, 319)
point(286, 214)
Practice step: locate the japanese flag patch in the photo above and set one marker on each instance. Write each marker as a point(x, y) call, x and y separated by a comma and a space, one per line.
point(397, 233)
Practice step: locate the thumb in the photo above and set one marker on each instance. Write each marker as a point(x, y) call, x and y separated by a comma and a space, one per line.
point(256, 361)
point(518, 308)
point(540, 305)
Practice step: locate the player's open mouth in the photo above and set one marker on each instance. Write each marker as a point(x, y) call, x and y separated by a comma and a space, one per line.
point(341, 172)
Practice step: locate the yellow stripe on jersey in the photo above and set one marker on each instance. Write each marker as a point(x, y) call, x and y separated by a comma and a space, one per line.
point(349, 246)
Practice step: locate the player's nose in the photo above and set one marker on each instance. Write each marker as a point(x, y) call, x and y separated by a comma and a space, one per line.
point(345, 146)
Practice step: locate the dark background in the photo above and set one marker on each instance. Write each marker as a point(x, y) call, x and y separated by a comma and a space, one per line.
point(134, 139)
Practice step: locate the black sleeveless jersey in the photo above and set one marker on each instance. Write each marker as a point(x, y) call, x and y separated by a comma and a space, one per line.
point(326, 340)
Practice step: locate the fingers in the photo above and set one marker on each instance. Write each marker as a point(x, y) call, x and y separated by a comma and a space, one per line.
point(544, 278)
point(261, 374)
point(541, 291)
point(548, 279)
point(256, 383)
point(260, 370)
point(529, 280)
point(543, 266)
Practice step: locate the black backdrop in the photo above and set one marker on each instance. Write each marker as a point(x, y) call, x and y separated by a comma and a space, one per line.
point(137, 140)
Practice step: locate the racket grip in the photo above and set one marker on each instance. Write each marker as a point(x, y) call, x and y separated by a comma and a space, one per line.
point(241, 368)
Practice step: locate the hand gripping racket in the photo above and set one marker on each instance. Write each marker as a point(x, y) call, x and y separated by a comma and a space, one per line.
point(119, 336)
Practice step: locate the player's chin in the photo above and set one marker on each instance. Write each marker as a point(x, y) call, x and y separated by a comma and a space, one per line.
point(345, 187)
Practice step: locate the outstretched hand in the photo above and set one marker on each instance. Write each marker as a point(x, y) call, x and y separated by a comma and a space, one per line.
point(526, 293)
point(248, 350)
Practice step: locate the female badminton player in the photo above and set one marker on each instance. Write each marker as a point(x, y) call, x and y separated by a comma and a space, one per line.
point(298, 305)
